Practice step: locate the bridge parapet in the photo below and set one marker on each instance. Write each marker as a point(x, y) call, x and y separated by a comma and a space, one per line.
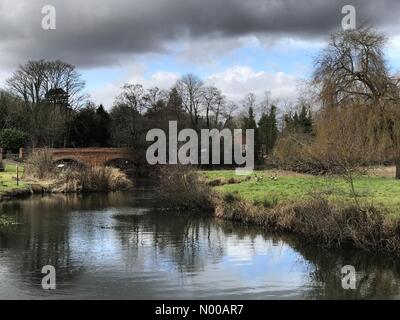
point(92, 156)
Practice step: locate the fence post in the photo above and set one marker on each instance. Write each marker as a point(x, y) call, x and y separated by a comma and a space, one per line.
point(1, 153)
point(17, 169)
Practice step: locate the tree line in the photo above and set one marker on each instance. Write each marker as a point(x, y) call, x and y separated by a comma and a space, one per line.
point(44, 105)
point(350, 118)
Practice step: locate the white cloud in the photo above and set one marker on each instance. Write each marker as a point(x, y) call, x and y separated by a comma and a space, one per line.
point(234, 82)
point(160, 79)
point(238, 81)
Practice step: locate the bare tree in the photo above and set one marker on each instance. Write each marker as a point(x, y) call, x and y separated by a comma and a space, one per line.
point(153, 97)
point(228, 115)
point(353, 67)
point(34, 80)
point(190, 88)
point(352, 71)
point(40, 83)
point(219, 108)
point(213, 101)
point(133, 96)
point(249, 101)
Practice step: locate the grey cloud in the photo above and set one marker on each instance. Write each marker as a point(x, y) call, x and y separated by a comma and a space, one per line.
point(99, 32)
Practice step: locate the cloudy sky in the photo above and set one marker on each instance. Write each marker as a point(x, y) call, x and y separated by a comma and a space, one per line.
point(240, 46)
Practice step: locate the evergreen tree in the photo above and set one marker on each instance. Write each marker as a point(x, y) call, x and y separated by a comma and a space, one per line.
point(299, 121)
point(268, 129)
point(103, 126)
point(249, 122)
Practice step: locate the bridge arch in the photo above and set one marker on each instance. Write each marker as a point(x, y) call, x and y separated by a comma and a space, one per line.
point(70, 161)
point(93, 156)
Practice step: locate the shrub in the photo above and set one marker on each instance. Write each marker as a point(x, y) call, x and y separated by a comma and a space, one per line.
point(323, 222)
point(231, 197)
point(232, 181)
point(215, 183)
point(181, 187)
point(13, 139)
point(266, 202)
point(39, 165)
point(91, 179)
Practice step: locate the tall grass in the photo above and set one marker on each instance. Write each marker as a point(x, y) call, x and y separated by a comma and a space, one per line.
point(181, 187)
point(316, 220)
point(74, 178)
point(320, 221)
point(91, 179)
point(39, 165)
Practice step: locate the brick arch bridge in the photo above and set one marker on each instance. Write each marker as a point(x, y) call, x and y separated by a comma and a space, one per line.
point(93, 156)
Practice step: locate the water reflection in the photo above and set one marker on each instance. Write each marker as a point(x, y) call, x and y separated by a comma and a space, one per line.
point(113, 246)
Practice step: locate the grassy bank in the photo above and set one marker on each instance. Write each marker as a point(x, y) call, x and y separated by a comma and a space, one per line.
point(8, 185)
point(72, 178)
point(318, 210)
point(379, 188)
point(8, 180)
point(43, 177)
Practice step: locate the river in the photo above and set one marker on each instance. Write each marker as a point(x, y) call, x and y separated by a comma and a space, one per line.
point(113, 246)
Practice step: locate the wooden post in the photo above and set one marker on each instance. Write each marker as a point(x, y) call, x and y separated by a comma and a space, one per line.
point(17, 169)
point(1, 153)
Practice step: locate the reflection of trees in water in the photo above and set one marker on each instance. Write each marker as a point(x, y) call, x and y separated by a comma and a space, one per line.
point(42, 236)
point(188, 241)
point(37, 241)
point(69, 202)
point(378, 277)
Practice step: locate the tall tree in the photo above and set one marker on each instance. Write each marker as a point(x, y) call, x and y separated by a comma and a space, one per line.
point(352, 71)
point(190, 89)
point(133, 96)
point(40, 84)
point(268, 129)
point(212, 100)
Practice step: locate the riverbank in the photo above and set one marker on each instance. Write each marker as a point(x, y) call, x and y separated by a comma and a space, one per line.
point(69, 180)
point(9, 187)
point(187, 255)
point(318, 210)
point(378, 188)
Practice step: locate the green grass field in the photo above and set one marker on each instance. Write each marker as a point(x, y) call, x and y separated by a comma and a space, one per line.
point(376, 190)
point(8, 178)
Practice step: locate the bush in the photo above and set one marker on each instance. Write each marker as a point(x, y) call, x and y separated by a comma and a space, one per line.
point(231, 197)
point(266, 202)
point(321, 221)
point(91, 179)
point(39, 165)
point(181, 187)
point(13, 139)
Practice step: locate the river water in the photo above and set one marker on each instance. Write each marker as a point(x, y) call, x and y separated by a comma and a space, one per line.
point(113, 246)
